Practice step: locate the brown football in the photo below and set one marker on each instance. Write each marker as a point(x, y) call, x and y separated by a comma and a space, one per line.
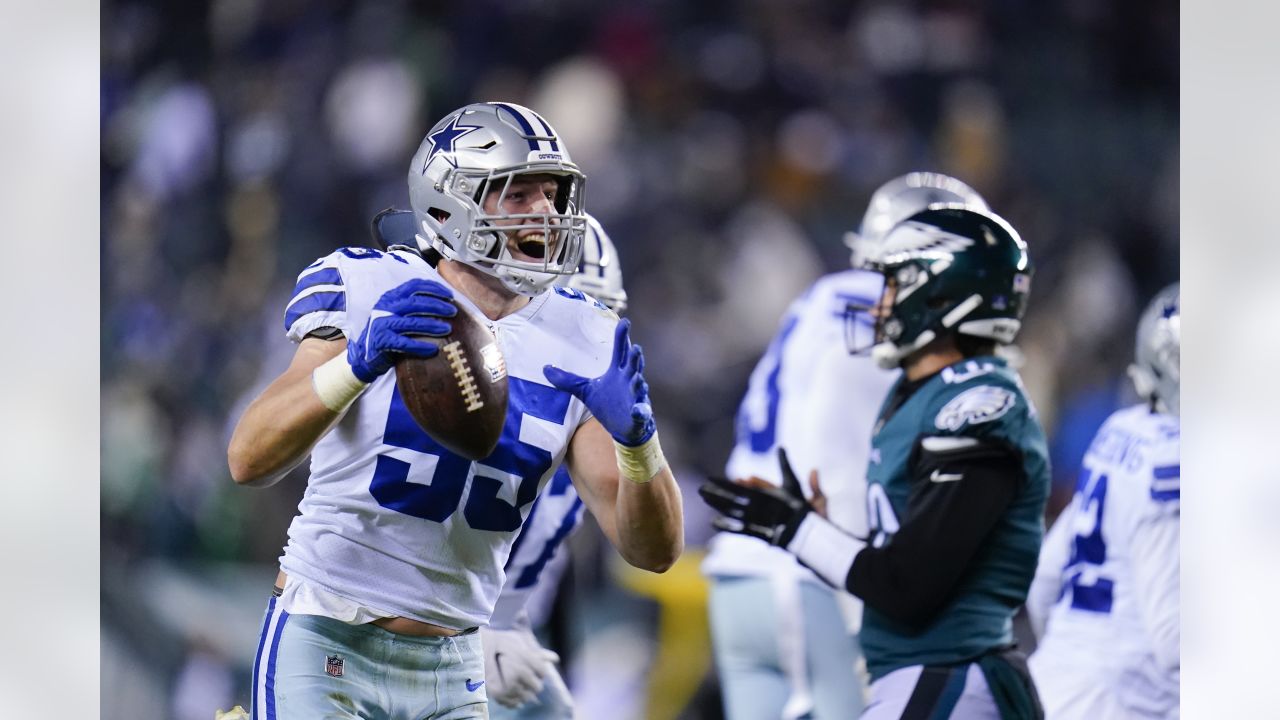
point(459, 397)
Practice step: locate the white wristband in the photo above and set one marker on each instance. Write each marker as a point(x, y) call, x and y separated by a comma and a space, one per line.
point(336, 385)
point(825, 549)
point(639, 464)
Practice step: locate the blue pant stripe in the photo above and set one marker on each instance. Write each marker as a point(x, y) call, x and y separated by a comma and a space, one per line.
point(257, 658)
point(950, 694)
point(270, 685)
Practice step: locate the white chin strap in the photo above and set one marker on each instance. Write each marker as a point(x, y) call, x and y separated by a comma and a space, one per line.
point(889, 356)
point(886, 355)
point(523, 282)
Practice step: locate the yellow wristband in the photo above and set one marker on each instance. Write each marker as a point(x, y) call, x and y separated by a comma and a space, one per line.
point(639, 464)
point(336, 385)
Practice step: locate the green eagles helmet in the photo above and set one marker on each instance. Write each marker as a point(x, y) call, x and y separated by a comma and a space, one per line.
point(955, 269)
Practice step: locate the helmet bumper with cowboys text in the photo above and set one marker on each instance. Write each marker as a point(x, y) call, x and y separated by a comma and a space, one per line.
point(953, 269)
point(478, 150)
point(599, 274)
point(899, 199)
point(1155, 368)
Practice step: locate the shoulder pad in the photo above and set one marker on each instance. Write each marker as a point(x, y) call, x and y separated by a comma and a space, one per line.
point(960, 374)
point(974, 406)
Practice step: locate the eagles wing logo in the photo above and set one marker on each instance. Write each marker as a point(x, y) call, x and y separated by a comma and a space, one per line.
point(973, 406)
point(926, 240)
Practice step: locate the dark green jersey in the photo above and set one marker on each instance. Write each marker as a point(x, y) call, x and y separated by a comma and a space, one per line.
point(979, 406)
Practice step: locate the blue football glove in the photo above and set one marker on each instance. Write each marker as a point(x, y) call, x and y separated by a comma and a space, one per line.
point(399, 321)
point(620, 397)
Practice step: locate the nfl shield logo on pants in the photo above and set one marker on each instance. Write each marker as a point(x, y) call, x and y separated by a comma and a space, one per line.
point(333, 665)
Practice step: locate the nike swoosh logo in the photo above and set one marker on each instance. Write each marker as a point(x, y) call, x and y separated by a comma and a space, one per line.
point(472, 687)
point(945, 477)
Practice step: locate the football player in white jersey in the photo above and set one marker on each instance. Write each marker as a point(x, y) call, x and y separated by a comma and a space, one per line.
point(397, 553)
point(1105, 600)
point(773, 619)
point(520, 674)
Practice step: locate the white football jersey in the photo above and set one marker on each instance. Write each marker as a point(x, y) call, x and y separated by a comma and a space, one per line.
point(537, 557)
point(809, 396)
point(1110, 569)
point(390, 519)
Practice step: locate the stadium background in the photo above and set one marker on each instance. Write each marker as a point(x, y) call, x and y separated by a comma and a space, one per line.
point(728, 146)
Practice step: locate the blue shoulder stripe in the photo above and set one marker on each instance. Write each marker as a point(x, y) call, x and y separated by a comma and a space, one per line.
point(1167, 484)
point(315, 302)
point(327, 276)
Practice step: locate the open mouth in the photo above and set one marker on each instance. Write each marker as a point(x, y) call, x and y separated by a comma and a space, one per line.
point(533, 245)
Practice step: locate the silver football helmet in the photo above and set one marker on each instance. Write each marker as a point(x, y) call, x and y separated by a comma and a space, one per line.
point(467, 163)
point(899, 199)
point(1155, 359)
point(600, 274)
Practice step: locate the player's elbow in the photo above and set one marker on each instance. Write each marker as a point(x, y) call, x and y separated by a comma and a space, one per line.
point(242, 470)
point(910, 599)
point(658, 559)
point(247, 469)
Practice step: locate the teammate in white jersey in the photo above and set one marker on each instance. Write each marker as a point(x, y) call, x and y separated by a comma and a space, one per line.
point(520, 674)
point(1105, 599)
point(397, 554)
point(773, 620)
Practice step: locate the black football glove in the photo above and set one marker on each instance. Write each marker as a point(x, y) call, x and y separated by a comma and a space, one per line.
point(769, 513)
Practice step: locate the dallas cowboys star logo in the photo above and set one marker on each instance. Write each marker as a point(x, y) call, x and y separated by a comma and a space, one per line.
point(442, 140)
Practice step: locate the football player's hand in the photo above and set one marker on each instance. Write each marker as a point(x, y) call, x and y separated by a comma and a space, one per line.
point(235, 713)
point(817, 498)
point(757, 508)
point(620, 397)
point(400, 319)
point(515, 665)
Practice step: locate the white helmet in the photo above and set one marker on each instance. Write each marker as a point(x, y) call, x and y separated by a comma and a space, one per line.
point(600, 274)
point(477, 150)
point(1156, 355)
point(899, 199)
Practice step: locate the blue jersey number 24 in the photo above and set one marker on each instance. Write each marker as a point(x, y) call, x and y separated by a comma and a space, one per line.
point(1090, 591)
point(437, 493)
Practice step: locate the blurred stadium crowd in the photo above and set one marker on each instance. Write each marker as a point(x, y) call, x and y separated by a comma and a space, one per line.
point(728, 145)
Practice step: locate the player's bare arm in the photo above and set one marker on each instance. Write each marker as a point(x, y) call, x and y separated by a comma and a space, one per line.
point(643, 520)
point(617, 463)
point(281, 425)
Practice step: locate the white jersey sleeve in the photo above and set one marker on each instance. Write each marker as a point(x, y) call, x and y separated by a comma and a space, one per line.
point(391, 520)
point(1110, 648)
point(1046, 587)
point(808, 395)
point(320, 296)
